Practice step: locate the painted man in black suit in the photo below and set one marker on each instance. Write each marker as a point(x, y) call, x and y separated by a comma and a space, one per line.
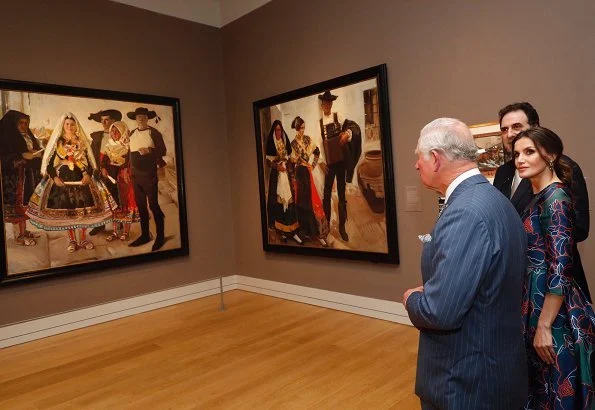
point(518, 117)
point(146, 155)
point(99, 139)
point(342, 140)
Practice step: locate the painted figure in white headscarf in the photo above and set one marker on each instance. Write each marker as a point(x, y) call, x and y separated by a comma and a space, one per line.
point(115, 166)
point(69, 197)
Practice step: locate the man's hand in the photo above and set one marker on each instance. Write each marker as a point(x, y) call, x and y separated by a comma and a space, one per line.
point(344, 138)
point(408, 293)
point(28, 156)
point(144, 151)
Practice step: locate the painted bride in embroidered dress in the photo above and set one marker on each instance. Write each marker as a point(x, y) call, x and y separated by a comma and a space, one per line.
point(69, 197)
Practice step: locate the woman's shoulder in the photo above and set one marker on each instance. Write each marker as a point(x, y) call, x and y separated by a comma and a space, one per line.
point(556, 198)
point(557, 191)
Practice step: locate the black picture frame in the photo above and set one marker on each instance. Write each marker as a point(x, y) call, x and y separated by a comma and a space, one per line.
point(48, 257)
point(370, 224)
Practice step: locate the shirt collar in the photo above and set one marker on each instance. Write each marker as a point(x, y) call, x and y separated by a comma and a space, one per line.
point(459, 179)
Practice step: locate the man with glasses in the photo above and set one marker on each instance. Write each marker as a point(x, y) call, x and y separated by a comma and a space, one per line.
point(518, 117)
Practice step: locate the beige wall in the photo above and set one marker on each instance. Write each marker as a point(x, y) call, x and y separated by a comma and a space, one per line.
point(445, 58)
point(70, 43)
point(451, 58)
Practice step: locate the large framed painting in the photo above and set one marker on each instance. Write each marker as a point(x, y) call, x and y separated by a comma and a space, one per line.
point(488, 139)
point(91, 179)
point(325, 169)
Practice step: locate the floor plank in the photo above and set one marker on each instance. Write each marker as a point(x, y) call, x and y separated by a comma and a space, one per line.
point(261, 352)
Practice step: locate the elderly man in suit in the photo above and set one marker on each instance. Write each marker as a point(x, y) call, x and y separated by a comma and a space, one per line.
point(471, 351)
point(518, 117)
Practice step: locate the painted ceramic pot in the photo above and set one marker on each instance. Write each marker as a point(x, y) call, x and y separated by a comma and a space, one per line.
point(370, 177)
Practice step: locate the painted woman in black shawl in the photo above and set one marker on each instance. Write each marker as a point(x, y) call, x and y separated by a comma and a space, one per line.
point(281, 209)
point(20, 154)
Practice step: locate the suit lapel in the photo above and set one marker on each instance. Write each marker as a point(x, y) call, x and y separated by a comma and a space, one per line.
point(521, 191)
point(506, 185)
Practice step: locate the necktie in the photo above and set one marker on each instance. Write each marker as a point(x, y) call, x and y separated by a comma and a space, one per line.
point(442, 205)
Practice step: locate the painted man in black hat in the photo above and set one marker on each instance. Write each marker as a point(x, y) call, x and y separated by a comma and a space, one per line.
point(99, 139)
point(146, 155)
point(342, 141)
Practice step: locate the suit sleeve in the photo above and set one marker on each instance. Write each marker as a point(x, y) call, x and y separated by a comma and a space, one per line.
point(354, 151)
point(581, 203)
point(462, 258)
point(159, 147)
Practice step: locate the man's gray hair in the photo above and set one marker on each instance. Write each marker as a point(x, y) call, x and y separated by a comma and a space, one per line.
point(450, 136)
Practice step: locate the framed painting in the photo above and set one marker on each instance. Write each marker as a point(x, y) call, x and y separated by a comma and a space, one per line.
point(488, 139)
point(91, 179)
point(325, 169)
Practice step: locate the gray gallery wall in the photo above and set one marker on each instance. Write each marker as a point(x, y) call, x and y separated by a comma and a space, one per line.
point(70, 42)
point(457, 58)
point(445, 58)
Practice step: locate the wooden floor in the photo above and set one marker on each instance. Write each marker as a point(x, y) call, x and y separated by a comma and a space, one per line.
point(261, 353)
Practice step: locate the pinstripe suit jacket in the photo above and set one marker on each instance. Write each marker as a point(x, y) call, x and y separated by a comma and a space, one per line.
point(471, 351)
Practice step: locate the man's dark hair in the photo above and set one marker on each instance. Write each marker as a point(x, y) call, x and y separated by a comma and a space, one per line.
point(530, 112)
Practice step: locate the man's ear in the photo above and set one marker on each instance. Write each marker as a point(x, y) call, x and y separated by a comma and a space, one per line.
point(436, 160)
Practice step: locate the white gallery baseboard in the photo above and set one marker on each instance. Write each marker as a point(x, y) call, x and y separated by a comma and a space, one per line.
point(377, 308)
point(34, 329)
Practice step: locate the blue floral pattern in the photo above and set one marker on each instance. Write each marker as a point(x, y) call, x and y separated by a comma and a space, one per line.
point(568, 383)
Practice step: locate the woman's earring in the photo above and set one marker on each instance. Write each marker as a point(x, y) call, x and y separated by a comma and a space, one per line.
point(551, 165)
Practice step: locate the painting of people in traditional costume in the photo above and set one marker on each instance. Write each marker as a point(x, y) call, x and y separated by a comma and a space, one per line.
point(74, 170)
point(326, 169)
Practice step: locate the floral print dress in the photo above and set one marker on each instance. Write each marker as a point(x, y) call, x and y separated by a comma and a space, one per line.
point(568, 383)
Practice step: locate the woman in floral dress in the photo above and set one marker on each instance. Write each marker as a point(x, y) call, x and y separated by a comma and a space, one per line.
point(559, 324)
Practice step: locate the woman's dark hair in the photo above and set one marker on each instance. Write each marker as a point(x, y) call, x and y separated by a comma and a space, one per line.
point(297, 123)
point(548, 141)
